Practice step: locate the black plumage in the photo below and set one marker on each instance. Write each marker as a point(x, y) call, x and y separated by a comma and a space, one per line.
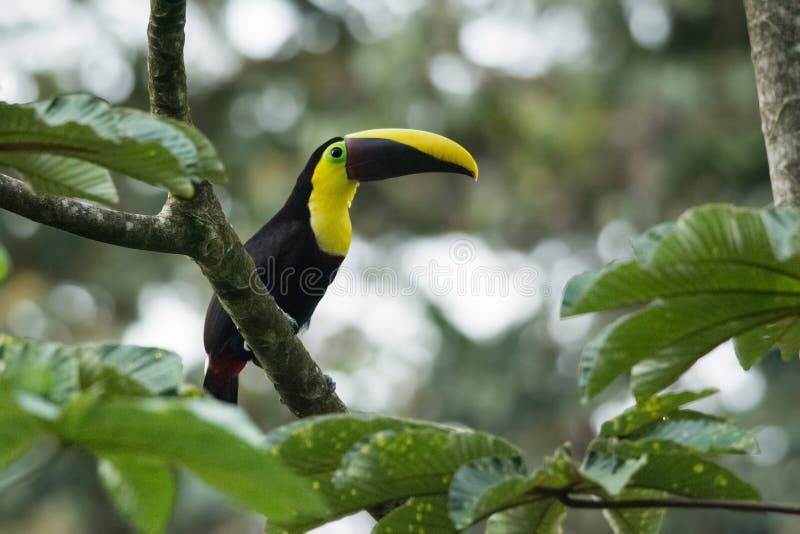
point(293, 268)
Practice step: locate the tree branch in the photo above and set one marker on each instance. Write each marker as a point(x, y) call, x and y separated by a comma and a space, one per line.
point(219, 252)
point(706, 504)
point(167, 76)
point(144, 232)
point(774, 28)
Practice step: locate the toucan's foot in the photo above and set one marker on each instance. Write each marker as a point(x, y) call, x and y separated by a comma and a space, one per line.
point(330, 383)
point(295, 326)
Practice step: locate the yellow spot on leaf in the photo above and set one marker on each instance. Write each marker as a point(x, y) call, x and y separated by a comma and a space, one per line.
point(315, 485)
point(698, 468)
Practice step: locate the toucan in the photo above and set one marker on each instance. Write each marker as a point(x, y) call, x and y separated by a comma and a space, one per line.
point(299, 250)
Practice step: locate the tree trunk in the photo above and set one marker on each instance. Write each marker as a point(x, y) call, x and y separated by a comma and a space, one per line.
point(774, 28)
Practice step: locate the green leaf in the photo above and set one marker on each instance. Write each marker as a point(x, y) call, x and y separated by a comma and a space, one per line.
point(388, 459)
point(558, 471)
point(130, 369)
point(56, 371)
point(783, 230)
point(123, 140)
point(610, 471)
point(417, 514)
point(646, 244)
point(142, 488)
point(314, 447)
point(210, 167)
point(720, 272)
point(485, 485)
point(618, 285)
point(495, 483)
point(40, 368)
point(410, 462)
point(670, 335)
point(650, 410)
point(18, 431)
point(540, 517)
point(753, 345)
point(57, 175)
point(5, 263)
point(217, 442)
point(700, 433)
point(693, 477)
point(636, 520)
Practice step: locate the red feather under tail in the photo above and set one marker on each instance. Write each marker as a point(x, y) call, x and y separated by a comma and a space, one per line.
point(222, 378)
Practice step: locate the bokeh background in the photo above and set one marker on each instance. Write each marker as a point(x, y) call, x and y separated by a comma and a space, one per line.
point(590, 122)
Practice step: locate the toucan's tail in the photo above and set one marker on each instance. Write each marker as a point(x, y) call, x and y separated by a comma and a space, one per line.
point(222, 378)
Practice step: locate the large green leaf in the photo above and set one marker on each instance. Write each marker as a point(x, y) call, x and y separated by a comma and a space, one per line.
point(500, 483)
point(55, 371)
point(691, 476)
point(45, 369)
point(409, 462)
point(157, 151)
point(130, 369)
point(699, 433)
point(636, 520)
point(217, 442)
point(650, 410)
point(540, 517)
point(67, 177)
point(754, 344)
point(417, 514)
point(354, 461)
point(142, 488)
point(720, 272)
point(18, 431)
point(315, 446)
point(783, 230)
point(610, 471)
point(485, 485)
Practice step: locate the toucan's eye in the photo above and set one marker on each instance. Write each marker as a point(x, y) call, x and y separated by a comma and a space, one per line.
point(336, 152)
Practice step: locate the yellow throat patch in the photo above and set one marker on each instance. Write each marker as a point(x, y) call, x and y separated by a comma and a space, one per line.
point(329, 205)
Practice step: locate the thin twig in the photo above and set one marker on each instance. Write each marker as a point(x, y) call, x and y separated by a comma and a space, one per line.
point(590, 501)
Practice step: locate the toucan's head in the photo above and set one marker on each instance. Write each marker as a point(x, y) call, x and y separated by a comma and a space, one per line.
point(338, 166)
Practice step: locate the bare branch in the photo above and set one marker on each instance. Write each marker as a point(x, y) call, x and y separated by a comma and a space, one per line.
point(85, 219)
point(672, 502)
point(774, 28)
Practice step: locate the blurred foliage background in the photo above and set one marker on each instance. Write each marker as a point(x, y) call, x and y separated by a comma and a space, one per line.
point(590, 121)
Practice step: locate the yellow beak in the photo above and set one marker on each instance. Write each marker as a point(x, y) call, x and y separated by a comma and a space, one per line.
point(387, 153)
